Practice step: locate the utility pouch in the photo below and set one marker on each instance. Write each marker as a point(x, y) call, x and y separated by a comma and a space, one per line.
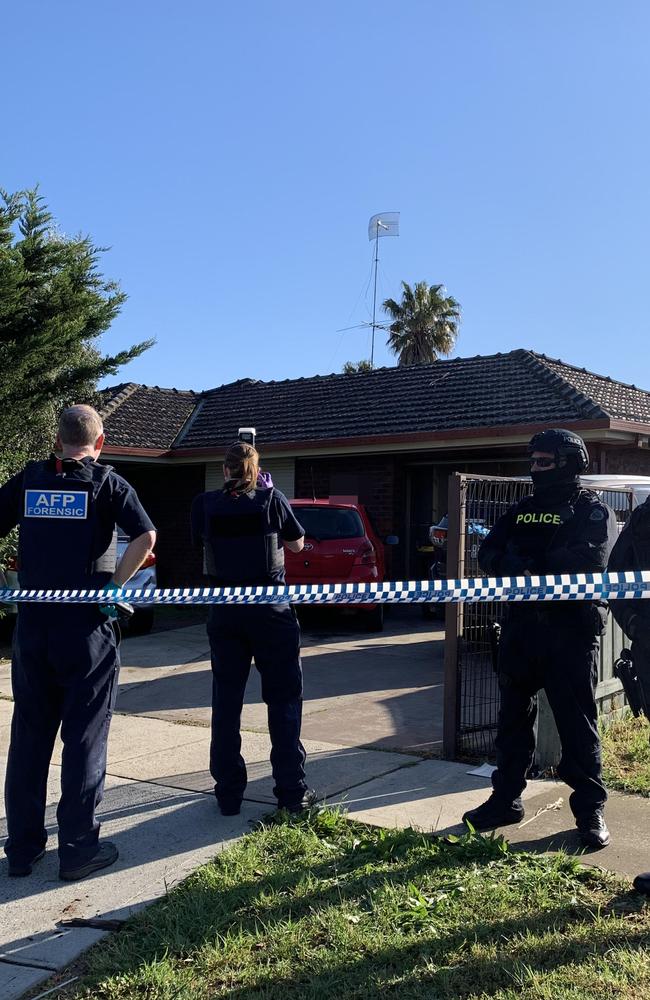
point(635, 692)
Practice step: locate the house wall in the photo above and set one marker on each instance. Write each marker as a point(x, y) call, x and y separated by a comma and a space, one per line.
point(166, 492)
point(380, 482)
point(635, 461)
point(373, 479)
point(282, 472)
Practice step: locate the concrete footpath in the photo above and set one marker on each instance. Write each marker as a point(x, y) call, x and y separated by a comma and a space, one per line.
point(160, 810)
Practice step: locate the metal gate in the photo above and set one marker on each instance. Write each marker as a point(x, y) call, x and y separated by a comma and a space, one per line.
point(471, 686)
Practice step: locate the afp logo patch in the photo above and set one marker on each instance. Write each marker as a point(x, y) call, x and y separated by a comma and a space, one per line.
point(72, 505)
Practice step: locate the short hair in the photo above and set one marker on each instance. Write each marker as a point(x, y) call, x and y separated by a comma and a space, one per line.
point(80, 425)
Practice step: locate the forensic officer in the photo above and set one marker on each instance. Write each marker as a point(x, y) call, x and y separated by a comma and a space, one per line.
point(65, 660)
point(632, 552)
point(560, 528)
point(243, 528)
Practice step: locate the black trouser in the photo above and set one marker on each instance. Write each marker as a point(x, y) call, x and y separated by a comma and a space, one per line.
point(64, 673)
point(270, 634)
point(556, 650)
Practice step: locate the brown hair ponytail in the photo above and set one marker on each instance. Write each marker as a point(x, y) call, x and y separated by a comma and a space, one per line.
point(243, 463)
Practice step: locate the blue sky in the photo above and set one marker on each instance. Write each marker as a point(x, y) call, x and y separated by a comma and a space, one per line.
point(230, 155)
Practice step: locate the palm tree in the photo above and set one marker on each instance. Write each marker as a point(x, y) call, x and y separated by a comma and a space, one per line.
point(425, 323)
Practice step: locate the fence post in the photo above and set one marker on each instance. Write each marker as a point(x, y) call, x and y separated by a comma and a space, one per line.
point(454, 612)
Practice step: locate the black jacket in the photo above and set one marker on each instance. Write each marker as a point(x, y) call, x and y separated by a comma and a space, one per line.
point(632, 552)
point(572, 536)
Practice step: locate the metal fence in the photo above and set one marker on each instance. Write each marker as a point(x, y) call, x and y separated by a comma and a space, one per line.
point(471, 686)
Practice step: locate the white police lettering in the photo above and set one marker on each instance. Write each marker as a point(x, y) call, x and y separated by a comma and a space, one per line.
point(46, 503)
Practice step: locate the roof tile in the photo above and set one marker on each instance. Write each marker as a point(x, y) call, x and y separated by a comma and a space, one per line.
point(520, 387)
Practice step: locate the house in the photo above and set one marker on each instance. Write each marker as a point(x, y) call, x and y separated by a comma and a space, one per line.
point(390, 436)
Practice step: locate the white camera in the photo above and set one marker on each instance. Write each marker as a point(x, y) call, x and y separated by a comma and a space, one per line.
point(247, 434)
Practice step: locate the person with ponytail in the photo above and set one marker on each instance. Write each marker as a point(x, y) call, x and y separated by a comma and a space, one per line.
point(243, 529)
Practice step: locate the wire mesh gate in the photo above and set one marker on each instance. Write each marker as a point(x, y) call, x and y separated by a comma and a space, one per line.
point(471, 686)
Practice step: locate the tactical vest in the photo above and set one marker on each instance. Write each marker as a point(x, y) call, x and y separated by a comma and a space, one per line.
point(64, 542)
point(537, 524)
point(241, 546)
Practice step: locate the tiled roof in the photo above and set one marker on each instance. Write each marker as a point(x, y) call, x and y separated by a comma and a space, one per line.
point(521, 387)
point(143, 416)
point(500, 389)
point(620, 401)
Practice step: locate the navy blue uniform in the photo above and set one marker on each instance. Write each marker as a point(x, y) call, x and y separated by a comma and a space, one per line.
point(65, 661)
point(553, 646)
point(242, 537)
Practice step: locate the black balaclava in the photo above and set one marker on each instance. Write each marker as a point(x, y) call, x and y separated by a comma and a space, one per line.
point(558, 485)
point(564, 480)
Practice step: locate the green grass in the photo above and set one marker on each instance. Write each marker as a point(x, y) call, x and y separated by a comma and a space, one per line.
point(319, 907)
point(626, 755)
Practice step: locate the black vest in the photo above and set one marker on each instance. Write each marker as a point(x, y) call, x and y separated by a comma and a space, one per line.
point(67, 536)
point(539, 525)
point(241, 545)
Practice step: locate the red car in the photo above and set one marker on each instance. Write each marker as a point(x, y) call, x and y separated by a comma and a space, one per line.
point(341, 546)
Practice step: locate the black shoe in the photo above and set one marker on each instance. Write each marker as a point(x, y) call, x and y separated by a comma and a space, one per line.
point(495, 812)
point(229, 808)
point(106, 855)
point(592, 830)
point(20, 869)
point(308, 800)
point(642, 883)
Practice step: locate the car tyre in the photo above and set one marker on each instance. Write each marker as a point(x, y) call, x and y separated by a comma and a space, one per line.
point(375, 619)
point(141, 622)
point(7, 626)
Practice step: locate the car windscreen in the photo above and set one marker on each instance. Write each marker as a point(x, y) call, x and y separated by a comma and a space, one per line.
point(327, 523)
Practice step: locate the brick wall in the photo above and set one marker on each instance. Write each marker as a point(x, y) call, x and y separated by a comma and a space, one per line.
point(372, 478)
point(166, 492)
point(635, 461)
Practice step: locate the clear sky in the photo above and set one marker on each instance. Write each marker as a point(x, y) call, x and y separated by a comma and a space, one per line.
point(231, 154)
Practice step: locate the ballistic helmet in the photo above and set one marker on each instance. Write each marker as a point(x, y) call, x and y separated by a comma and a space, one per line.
point(567, 446)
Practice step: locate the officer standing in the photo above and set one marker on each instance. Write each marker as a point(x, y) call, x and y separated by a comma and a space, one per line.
point(65, 660)
point(242, 528)
point(632, 552)
point(560, 528)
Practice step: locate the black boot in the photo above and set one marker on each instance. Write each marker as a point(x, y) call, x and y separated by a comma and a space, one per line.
point(308, 801)
point(592, 829)
point(642, 883)
point(495, 812)
point(19, 869)
point(106, 855)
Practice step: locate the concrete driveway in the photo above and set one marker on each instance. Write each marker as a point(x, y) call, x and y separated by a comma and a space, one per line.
point(377, 690)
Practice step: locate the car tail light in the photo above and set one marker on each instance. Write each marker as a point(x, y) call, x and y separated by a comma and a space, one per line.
point(366, 556)
point(439, 536)
point(149, 561)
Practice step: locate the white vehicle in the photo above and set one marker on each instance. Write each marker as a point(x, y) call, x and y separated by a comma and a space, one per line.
point(638, 485)
point(145, 579)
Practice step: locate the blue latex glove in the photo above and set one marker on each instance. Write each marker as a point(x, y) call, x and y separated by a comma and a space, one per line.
point(110, 610)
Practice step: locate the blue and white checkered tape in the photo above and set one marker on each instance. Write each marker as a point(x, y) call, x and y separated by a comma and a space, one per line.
point(566, 587)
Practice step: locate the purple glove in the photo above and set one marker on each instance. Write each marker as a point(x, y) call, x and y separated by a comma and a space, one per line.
point(264, 480)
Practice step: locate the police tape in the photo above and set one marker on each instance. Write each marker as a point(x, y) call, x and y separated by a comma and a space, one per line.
point(565, 587)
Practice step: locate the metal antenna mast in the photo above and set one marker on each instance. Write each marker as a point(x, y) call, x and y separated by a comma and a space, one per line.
point(385, 224)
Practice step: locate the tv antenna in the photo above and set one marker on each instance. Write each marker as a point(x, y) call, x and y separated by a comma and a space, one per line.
point(384, 224)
